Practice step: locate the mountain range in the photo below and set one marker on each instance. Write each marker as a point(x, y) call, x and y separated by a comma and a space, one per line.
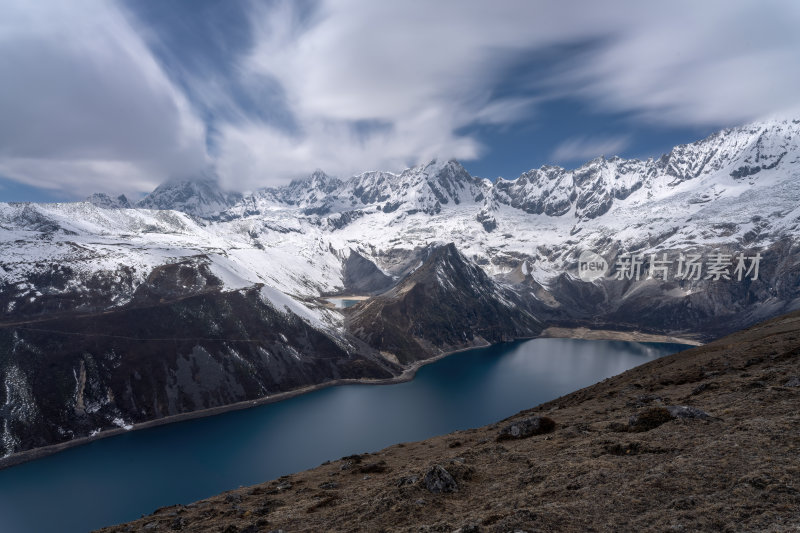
point(115, 313)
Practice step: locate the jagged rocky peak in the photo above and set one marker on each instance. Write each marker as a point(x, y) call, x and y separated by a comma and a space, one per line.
point(424, 188)
point(360, 275)
point(309, 191)
point(746, 150)
point(316, 181)
point(590, 190)
point(100, 199)
point(548, 190)
point(199, 195)
point(447, 303)
point(451, 181)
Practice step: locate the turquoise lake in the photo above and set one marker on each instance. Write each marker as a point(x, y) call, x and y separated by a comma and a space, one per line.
point(121, 478)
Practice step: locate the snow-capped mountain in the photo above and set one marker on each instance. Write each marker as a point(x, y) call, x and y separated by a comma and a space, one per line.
point(87, 288)
point(200, 195)
point(103, 200)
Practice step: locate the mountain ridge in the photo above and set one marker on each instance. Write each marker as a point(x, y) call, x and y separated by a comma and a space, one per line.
point(284, 251)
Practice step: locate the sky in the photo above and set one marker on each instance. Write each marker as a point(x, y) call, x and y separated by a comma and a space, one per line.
point(119, 97)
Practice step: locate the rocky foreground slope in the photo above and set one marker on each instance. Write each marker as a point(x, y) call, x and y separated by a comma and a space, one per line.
point(702, 440)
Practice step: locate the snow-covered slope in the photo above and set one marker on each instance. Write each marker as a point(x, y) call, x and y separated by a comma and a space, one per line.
point(191, 250)
point(737, 186)
point(200, 196)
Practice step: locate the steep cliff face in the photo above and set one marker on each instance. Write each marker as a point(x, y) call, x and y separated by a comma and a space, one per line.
point(447, 303)
point(165, 353)
point(362, 276)
point(703, 308)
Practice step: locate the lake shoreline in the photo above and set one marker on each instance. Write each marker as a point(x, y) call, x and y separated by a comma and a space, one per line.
point(407, 375)
point(583, 333)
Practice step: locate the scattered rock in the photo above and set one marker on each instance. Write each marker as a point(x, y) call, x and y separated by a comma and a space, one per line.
point(439, 480)
point(237, 498)
point(407, 480)
point(685, 411)
point(324, 502)
point(285, 485)
point(704, 387)
point(644, 400)
point(794, 381)
point(179, 523)
point(527, 427)
point(328, 485)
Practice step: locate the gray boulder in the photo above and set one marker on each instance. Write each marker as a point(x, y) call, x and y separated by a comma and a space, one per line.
point(686, 411)
point(527, 427)
point(439, 480)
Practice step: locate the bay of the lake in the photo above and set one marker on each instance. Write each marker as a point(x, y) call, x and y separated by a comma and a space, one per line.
point(120, 478)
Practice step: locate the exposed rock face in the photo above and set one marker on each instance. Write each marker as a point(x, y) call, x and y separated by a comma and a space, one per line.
point(362, 276)
point(104, 200)
point(736, 473)
point(687, 411)
point(527, 427)
point(438, 480)
point(200, 196)
point(446, 304)
point(710, 308)
point(181, 345)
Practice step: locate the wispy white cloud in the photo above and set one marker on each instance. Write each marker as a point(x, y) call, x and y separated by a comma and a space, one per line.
point(583, 148)
point(421, 68)
point(85, 106)
point(430, 69)
point(690, 63)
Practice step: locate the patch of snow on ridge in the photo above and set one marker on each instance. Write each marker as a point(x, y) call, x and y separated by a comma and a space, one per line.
point(232, 275)
point(119, 422)
point(318, 317)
